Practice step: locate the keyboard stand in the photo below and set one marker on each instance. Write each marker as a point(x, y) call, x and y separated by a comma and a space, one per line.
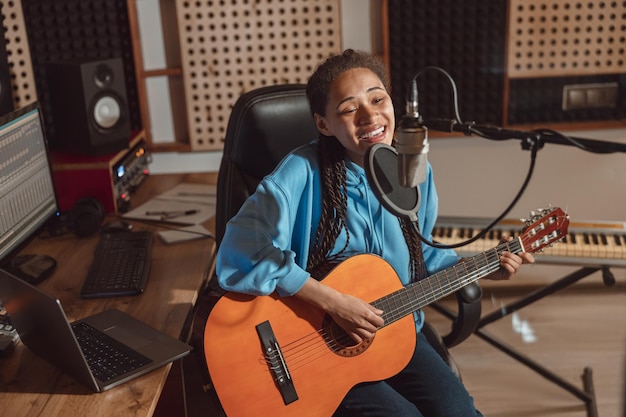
point(587, 394)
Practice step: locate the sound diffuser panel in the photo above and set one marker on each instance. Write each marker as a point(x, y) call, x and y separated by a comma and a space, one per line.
point(565, 37)
point(230, 48)
point(18, 54)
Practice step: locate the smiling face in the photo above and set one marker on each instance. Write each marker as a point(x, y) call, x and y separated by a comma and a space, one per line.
point(359, 112)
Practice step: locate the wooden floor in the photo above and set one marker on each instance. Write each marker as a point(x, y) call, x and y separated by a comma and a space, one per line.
point(581, 326)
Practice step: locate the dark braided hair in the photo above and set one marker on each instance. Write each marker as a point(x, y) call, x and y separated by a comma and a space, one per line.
point(334, 204)
point(333, 168)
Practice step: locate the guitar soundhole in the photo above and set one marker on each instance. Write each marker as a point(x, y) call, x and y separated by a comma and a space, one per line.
point(340, 342)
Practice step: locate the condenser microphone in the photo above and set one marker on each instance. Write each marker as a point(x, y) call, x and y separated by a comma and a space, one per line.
point(412, 144)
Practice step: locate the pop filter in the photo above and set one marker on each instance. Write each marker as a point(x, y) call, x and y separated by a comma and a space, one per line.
point(381, 169)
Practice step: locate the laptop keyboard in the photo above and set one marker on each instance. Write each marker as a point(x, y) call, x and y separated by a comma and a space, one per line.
point(120, 266)
point(107, 358)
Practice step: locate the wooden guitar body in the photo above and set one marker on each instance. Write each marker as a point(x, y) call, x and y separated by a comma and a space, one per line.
point(323, 368)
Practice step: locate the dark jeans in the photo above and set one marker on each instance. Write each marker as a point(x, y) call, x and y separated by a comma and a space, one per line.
point(427, 387)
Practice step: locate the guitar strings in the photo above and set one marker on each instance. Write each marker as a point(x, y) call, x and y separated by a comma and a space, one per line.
point(484, 263)
point(439, 284)
point(306, 349)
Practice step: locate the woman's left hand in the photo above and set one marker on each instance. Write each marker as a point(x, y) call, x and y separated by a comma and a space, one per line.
point(510, 263)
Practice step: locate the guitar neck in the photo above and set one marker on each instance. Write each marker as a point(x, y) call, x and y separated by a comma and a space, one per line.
point(437, 286)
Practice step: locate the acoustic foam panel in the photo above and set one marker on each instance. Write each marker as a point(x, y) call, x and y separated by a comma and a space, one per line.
point(465, 38)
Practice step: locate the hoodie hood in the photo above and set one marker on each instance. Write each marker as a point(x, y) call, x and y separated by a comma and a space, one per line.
point(365, 210)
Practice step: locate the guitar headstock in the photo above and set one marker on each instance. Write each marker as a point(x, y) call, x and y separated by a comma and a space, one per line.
point(544, 228)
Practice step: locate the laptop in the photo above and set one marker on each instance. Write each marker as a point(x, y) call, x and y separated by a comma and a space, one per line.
point(44, 328)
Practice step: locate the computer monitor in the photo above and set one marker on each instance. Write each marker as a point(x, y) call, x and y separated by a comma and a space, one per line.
point(27, 195)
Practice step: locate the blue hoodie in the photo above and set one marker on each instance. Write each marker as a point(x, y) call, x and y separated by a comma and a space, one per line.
point(266, 245)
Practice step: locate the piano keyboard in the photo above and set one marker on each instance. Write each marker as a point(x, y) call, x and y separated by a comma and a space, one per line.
point(587, 243)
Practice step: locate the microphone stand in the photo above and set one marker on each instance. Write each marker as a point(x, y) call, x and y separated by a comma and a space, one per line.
point(532, 139)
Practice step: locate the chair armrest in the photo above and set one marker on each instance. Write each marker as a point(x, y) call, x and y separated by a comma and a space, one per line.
point(467, 317)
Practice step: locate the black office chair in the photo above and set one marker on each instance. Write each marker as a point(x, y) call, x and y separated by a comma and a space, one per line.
point(266, 124)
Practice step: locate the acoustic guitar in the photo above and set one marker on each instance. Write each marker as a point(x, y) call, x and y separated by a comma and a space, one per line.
point(281, 357)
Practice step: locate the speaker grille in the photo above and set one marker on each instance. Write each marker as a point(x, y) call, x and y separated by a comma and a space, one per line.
point(231, 47)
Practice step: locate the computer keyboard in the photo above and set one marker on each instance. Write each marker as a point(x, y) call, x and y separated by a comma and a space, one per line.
point(120, 266)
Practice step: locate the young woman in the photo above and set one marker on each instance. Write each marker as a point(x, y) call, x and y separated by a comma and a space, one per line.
point(317, 208)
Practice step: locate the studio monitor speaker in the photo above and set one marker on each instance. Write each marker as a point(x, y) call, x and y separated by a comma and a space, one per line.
point(89, 106)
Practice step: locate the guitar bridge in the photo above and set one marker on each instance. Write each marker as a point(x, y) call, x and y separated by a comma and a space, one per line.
point(276, 362)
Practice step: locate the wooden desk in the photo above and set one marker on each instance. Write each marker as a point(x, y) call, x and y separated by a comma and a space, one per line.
point(30, 386)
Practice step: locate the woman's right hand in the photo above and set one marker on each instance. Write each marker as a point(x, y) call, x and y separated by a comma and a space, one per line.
point(359, 319)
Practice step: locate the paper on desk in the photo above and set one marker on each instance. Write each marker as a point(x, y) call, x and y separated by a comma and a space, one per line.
point(183, 197)
point(184, 234)
point(187, 192)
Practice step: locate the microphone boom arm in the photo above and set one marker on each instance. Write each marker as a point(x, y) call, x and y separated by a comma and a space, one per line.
point(530, 139)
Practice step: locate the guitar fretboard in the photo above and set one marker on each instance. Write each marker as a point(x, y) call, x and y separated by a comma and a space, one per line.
point(439, 285)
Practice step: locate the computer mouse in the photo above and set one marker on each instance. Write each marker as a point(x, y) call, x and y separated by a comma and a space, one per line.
point(116, 226)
